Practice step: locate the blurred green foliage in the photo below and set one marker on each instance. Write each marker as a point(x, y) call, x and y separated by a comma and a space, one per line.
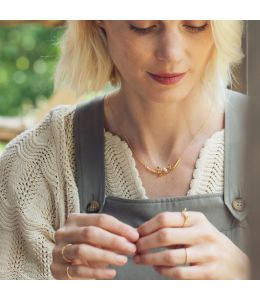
point(2, 146)
point(28, 55)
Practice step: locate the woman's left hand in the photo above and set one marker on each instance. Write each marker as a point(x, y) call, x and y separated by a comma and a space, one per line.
point(210, 254)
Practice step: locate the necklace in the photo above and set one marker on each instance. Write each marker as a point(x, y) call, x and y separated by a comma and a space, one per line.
point(161, 171)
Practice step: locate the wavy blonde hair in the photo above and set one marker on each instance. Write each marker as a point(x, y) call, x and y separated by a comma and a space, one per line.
point(86, 66)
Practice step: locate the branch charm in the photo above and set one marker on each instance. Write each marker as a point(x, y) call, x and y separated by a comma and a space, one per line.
point(162, 171)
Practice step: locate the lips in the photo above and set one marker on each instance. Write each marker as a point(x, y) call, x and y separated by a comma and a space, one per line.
point(167, 78)
point(166, 75)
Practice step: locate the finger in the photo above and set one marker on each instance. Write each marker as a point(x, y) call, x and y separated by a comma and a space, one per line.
point(197, 254)
point(163, 258)
point(98, 265)
point(168, 237)
point(168, 219)
point(196, 272)
point(106, 222)
point(87, 254)
point(77, 272)
point(100, 238)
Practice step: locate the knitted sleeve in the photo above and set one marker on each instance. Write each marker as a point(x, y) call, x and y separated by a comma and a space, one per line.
point(36, 193)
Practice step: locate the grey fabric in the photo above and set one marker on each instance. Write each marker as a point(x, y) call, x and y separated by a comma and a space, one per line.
point(89, 144)
point(217, 208)
point(235, 142)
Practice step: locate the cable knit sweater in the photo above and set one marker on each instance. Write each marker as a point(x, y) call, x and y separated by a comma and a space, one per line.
point(38, 188)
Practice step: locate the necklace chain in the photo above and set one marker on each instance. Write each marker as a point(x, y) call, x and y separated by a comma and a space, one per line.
point(164, 170)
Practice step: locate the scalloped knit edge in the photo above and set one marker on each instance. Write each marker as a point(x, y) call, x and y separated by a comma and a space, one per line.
point(196, 175)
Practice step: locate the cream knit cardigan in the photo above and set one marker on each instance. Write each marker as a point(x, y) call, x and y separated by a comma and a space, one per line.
point(38, 188)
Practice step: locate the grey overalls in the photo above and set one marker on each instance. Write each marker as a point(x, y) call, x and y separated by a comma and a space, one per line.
point(226, 212)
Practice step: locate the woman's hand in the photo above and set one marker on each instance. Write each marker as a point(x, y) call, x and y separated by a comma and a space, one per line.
point(97, 241)
point(210, 254)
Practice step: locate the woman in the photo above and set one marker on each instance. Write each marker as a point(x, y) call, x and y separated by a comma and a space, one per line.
point(157, 181)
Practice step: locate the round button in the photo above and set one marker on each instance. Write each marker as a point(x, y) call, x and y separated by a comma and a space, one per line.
point(238, 204)
point(93, 206)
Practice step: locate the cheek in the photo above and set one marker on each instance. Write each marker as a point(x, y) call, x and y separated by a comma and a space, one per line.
point(206, 50)
point(127, 56)
point(201, 57)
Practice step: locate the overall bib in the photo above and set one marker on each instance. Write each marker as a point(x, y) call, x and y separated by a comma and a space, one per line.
point(227, 212)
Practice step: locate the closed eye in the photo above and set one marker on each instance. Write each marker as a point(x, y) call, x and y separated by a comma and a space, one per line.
point(190, 28)
point(196, 28)
point(141, 30)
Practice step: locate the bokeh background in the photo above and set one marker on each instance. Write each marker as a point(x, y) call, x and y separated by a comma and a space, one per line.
point(28, 54)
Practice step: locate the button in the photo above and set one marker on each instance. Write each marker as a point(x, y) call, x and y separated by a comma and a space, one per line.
point(93, 207)
point(238, 204)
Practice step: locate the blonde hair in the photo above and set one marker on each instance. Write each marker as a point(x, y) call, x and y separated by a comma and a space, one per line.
point(86, 66)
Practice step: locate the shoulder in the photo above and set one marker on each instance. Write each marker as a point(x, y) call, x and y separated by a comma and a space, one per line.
point(33, 163)
point(38, 145)
point(236, 95)
point(52, 123)
point(235, 98)
point(237, 105)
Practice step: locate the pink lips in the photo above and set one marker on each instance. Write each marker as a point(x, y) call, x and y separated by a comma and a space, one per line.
point(167, 78)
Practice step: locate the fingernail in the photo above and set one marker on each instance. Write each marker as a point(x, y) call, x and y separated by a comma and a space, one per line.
point(121, 259)
point(110, 273)
point(134, 235)
point(130, 247)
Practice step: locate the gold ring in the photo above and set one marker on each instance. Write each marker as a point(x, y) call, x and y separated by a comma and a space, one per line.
point(186, 216)
point(63, 255)
point(186, 256)
point(68, 274)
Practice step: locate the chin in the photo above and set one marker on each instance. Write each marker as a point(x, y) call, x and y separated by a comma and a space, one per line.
point(167, 96)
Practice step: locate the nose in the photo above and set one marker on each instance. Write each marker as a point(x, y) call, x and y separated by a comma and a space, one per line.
point(170, 47)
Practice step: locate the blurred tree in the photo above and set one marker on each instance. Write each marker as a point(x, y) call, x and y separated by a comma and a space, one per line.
point(2, 146)
point(49, 23)
point(28, 54)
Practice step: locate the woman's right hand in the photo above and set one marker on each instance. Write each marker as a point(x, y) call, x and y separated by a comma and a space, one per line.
point(97, 241)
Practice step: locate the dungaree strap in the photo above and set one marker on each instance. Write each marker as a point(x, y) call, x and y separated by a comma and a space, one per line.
point(235, 142)
point(89, 142)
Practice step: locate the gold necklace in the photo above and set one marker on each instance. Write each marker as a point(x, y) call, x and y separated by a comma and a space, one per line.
point(165, 170)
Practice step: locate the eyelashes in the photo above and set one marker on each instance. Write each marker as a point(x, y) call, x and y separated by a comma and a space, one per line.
point(192, 29)
point(140, 30)
point(195, 28)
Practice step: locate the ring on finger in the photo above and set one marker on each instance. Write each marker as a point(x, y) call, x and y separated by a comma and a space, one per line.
point(186, 216)
point(186, 256)
point(63, 254)
point(72, 278)
point(68, 273)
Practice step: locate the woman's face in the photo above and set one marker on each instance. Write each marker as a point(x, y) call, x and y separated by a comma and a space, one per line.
point(150, 54)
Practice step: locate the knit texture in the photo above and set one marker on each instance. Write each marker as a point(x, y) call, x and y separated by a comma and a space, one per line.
point(38, 188)
point(123, 180)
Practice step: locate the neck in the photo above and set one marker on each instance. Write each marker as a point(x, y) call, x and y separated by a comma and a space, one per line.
point(160, 131)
